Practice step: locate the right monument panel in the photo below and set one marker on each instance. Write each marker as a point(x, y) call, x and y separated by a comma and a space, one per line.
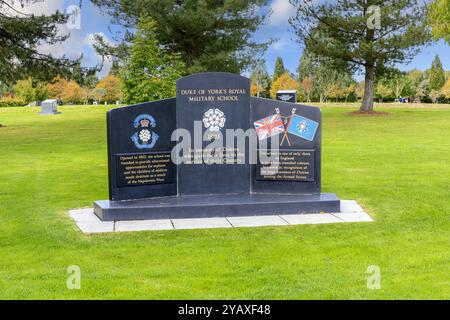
point(293, 166)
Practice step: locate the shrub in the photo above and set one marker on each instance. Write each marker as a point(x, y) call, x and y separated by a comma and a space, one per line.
point(12, 102)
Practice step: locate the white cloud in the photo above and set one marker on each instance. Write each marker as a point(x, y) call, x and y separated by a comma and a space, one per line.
point(37, 8)
point(76, 44)
point(282, 10)
point(281, 44)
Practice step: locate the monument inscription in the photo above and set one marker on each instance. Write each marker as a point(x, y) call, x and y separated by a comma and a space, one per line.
point(140, 169)
point(208, 105)
point(289, 165)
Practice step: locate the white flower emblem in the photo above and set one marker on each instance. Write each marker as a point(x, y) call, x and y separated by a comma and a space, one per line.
point(214, 120)
point(145, 135)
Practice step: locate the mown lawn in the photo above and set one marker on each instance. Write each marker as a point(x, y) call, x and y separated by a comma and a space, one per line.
point(396, 166)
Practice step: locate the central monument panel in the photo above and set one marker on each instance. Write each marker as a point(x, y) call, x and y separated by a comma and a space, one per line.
point(209, 104)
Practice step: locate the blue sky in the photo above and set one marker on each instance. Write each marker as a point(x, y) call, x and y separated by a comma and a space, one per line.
point(94, 21)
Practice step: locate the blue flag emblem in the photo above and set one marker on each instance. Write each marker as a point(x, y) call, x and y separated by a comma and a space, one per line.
point(303, 127)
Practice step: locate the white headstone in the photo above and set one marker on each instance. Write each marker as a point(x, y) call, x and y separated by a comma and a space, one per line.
point(49, 106)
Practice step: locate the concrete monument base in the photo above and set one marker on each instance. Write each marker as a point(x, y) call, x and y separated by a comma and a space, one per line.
point(216, 206)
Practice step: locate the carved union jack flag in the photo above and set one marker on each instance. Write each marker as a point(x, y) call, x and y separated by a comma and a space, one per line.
point(269, 127)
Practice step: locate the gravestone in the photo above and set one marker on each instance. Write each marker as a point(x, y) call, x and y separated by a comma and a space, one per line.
point(49, 107)
point(192, 156)
point(287, 96)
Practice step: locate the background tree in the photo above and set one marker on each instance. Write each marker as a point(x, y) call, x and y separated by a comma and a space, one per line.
point(308, 88)
point(348, 33)
point(73, 93)
point(40, 92)
point(423, 90)
point(446, 89)
point(210, 35)
point(261, 80)
point(56, 88)
point(85, 77)
point(112, 86)
point(30, 90)
point(439, 17)
point(279, 69)
point(98, 94)
point(437, 74)
point(151, 72)
point(24, 89)
point(324, 77)
point(284, 82)
point(306, 66)
point(19, 38)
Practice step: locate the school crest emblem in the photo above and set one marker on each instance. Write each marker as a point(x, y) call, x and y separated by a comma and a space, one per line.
point(146, 137)
point(214, 120)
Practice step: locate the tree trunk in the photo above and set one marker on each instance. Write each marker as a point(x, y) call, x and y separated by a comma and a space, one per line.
point(367, 103)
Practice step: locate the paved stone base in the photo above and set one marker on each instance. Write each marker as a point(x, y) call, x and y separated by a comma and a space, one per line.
point(89, 223)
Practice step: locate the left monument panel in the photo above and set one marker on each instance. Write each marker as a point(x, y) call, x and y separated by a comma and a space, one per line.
point(139, 151)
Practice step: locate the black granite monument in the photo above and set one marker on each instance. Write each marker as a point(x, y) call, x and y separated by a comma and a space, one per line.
point(176, 158)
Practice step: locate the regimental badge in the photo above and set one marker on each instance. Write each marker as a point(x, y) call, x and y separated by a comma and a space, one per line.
point(214, 120)
point(146, 137)
point(302, 127)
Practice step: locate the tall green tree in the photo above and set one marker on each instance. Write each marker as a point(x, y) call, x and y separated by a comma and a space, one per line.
point(151, 72)
point(437, 74)
point(20, 36)
point(439, 17)
point(279, 68)
point(305, 67)
point(210, 35)
point(261, 79)
point(367, 35)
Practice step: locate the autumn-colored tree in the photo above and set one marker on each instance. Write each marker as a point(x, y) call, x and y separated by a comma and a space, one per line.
point(255, 89)
point(308, 88)
point(112, 86)
point(57, 87)
point(284, 82)
point(73, 93)
point(446, 89)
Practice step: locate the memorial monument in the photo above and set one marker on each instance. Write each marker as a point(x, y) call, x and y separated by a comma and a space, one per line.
point(214, 151)
point(49, 107)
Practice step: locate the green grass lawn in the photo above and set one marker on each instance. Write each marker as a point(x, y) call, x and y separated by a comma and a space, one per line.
point(396, 166)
